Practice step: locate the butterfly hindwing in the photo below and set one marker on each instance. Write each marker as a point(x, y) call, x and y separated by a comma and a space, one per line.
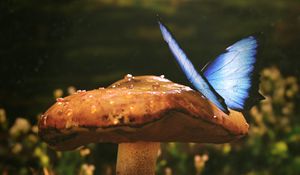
point(230, 74)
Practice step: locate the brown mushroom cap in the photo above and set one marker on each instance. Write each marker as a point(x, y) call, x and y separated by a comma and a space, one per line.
point(144, 108)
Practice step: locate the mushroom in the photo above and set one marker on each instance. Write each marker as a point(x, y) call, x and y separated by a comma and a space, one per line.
point(138, 113)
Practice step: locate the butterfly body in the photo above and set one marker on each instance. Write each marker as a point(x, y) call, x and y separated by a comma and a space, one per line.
point(227, 80)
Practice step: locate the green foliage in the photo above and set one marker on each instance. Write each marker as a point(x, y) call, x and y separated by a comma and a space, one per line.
point(23, 153)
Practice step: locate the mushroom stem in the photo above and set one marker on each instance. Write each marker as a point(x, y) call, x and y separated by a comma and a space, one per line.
point(137, 158)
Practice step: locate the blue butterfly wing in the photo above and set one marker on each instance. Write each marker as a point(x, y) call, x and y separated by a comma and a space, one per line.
point(230, 74)
point(198, 80)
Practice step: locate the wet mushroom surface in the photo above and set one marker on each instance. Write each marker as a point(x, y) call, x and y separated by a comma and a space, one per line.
point(143, 108)
point(138, 113)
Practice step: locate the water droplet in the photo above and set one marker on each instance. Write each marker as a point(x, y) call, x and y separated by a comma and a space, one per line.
point(81, 91)
point(90, 96)
point(69, 112)
point(128, 77)
point(131, 107)
point(113, 86)
point(60, 99)
point(162, 76)
point(59, 103)
point(214, 116)
point(68, 124)
point(93, 109)
point(111, 102)
point(115, 121)
point(45, 119)
point(151, 105)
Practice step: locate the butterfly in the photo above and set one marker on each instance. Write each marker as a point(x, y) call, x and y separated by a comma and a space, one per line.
point(228, 80)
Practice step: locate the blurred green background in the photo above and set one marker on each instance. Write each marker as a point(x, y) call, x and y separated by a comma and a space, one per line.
point(47, 48)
